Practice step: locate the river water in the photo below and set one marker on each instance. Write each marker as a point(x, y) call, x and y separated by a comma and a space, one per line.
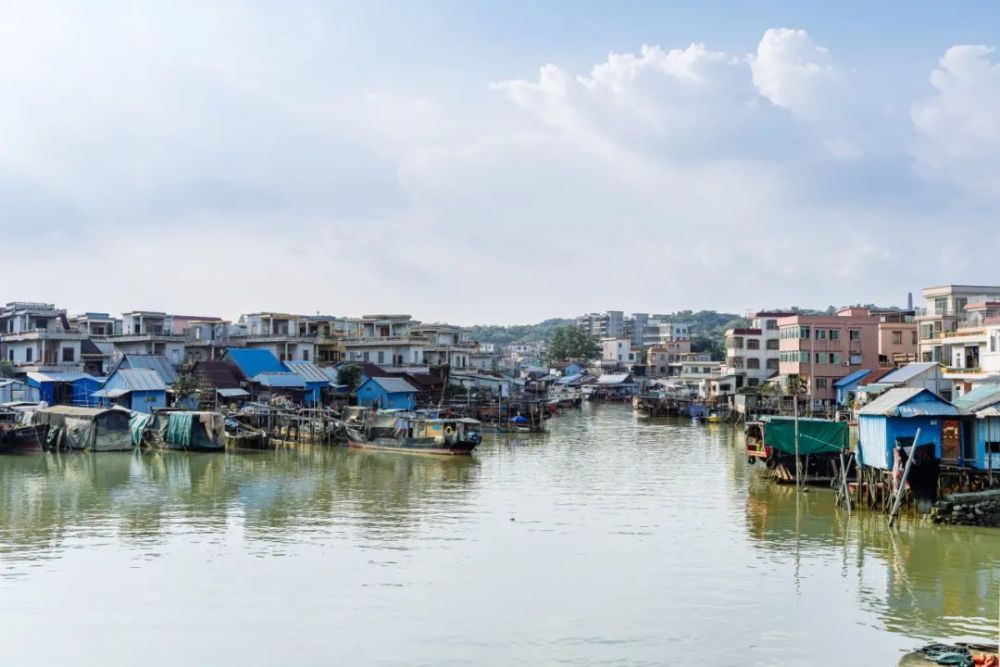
point(607, 540)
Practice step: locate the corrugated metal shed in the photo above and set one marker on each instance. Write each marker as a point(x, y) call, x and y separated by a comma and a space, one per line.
point(57, 376)
point(280, 380)
point(395, 385)
point(309, 371)
point(909, 402)
point(252, 362)
point(908, 372)
point(233, 392)
point(154, 362)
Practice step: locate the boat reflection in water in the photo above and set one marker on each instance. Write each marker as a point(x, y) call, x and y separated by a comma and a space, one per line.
point(50, 500)
point(929, 582)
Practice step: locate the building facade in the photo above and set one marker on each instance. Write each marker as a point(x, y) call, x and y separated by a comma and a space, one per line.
point(822, 349)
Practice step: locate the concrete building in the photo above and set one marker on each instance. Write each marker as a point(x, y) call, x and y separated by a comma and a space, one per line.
point(752, 353)
point(945, 313)
point(617, 351)
point(821, 349)
point(897, 337)
point(38, 337)
point(97, 325)
point(610, 324)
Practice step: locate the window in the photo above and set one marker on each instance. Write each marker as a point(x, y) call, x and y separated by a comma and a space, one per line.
point(27, 354)
point(803, 332)
point(855, 334)
point(820, 334)
point(753, 363)
point(366, 357)
point(772, 344)
point(821, 383)
point(803, 357)
point(772, 364)
point(856, 359)
point(941, 305)
point(753, 344)
point(835, 358)
point(772, 324)
point(897, 337)
point(834, 334)
point(305, 355)
point(913, 337)
point(68, 354)
point(821, 357)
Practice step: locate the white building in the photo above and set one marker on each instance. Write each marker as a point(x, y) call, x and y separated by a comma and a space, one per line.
point(752, 354)
point(38, 337)
point(617, 351)
point(603, 325)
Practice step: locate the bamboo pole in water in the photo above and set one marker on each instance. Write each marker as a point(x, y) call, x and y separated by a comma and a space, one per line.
point(902, 482)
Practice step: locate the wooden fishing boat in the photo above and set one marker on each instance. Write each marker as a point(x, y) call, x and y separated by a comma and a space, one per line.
point(412, 433)
point(22, 438)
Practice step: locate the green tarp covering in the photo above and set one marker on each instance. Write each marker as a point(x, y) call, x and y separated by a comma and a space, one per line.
point(179, 428)
point(816, 436)
point(137, 423)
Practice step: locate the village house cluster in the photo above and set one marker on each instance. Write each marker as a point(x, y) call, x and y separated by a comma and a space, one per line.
point(96, 358)
point(949, 346)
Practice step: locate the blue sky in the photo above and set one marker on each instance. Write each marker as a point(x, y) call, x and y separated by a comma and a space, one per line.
point(496, 162)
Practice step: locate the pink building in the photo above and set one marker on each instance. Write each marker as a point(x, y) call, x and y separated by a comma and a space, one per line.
point(821, 349)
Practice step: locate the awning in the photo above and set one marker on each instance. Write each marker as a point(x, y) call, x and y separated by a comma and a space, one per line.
point(110, 393)
point(232, 393)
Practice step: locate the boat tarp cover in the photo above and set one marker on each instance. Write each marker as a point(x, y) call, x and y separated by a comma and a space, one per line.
point(179, 428)
point(816, 436)
point(137, 423)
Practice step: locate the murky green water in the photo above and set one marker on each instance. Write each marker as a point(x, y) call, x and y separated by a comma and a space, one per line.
point(608, 540)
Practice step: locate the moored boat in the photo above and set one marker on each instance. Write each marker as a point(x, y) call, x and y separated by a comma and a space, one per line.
point(412, 433)
point(821, 442)
point(22, 438)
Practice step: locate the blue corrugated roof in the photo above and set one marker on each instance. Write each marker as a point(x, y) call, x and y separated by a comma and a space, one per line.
point(125, 380)
point(909, 402)
point(394, 385)
point(283, 380)
point(254, 362)
point(853, 377)
point(309, 371)
point(155, 362)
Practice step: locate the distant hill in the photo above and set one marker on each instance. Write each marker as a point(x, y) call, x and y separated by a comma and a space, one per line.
point(518, 333)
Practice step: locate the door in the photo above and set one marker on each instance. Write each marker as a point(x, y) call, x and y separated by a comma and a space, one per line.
point(951, 442)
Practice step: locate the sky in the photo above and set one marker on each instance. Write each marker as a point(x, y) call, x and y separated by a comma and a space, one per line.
point(485, 162)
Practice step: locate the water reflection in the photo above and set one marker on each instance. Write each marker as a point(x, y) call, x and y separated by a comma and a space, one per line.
point(921, 580)
point(49, 500)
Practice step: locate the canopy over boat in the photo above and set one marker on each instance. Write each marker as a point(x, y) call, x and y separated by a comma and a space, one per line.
point(816, 436)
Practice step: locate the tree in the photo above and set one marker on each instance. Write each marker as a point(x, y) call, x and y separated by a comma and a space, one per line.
point(185, 386)
point(571, 342)
point(350, 376)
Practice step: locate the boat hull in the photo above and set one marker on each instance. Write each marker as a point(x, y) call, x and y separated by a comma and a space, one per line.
point(23, 438)
point(386, 445)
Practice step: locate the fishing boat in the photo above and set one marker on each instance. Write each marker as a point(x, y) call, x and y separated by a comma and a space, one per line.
point(410, 432)
point(22, 437)
point(820, 445)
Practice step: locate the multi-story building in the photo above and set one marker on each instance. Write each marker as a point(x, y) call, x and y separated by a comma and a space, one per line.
point(38, 337)
point(897, 337)
point(944, 314)
point(445, 344)
point(752, 353)
point(617, 351)
point(97, 325)
point(821, 349)
point(148, 332)
point(603, 325)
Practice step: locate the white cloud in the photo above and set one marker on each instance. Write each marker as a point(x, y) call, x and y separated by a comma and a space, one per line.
point(793, 72)
point(959, 126)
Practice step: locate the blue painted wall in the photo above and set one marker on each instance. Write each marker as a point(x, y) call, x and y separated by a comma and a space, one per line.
point(370, 394)
point(983, 430)
point(877, 436)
